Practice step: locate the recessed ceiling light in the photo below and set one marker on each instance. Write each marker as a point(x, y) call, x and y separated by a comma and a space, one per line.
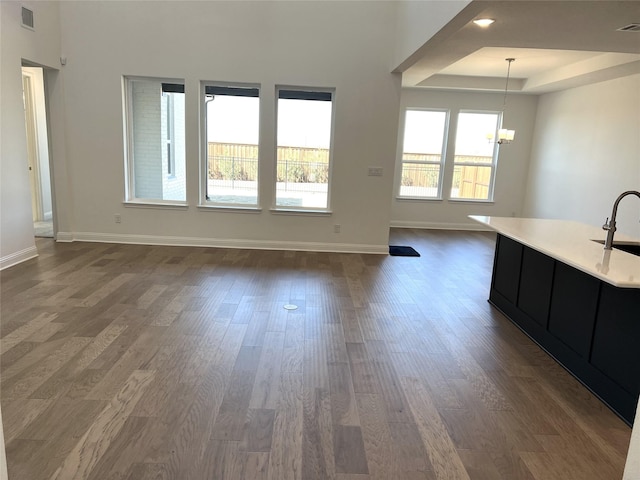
point(483, 22)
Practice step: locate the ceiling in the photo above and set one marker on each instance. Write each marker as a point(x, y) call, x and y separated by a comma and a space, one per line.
point(556, 45)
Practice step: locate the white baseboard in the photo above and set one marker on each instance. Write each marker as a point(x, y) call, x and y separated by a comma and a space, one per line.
point(18, 257)
point(221, 243)
point(440, 225)
point(64, 237)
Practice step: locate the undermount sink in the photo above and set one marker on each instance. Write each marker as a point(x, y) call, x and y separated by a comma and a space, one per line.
point(632, 248)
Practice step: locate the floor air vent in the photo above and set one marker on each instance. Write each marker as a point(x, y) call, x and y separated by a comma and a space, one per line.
point(632, 27)
point(27, 18)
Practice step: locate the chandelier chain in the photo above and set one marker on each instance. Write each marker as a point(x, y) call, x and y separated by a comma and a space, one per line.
point(506, 86)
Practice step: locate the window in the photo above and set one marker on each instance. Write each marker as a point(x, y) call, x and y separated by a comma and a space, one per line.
point(232, 119)
point(423, 153)
point(475, 157)
point(155, 139)
point(303, 149)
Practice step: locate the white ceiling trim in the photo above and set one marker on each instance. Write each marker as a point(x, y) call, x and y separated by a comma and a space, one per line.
point(557, 45)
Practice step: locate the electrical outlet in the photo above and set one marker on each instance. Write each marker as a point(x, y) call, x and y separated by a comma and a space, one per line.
point(336, 228)
point(117, 218)
point(375, 171)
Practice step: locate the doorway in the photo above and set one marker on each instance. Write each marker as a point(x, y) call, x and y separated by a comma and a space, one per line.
point(38, 150)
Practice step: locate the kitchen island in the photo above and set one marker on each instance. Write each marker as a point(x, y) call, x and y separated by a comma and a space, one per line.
point(579, 302)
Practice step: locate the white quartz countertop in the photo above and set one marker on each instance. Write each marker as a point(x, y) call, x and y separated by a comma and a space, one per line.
point(571, 243)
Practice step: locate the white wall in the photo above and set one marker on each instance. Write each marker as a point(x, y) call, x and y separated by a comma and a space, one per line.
point(418, 20)
point(42, 47)
point(346, 45)
point(586, 152)
point(512, 165)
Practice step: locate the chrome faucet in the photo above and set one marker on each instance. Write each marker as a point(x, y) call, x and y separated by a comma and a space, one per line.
point(610, 225)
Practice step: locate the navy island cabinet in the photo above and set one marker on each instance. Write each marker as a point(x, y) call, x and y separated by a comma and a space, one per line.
point(590, 327)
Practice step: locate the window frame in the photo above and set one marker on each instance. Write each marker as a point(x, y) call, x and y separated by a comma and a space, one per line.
point(309, 93)
point(441, 163)
point(494, 158)
point(205, 202)
point(130, 197)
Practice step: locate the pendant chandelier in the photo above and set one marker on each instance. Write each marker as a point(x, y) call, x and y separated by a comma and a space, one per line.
point(505, 135)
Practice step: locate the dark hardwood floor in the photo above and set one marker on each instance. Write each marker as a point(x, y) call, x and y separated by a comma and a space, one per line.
point(136, 362)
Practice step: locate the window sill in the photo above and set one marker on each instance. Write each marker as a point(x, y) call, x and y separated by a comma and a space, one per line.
point(294, 211)
point(419, 199)
point(158, 205)
point(229, 208)
point(471, 200)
